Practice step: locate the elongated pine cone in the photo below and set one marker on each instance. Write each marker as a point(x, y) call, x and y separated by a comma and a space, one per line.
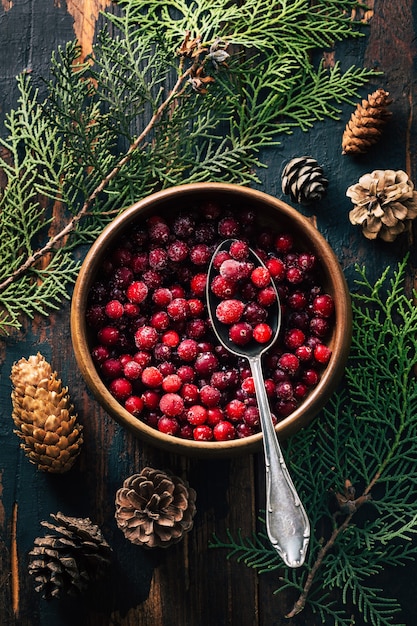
point(366, 123)
point(155, 509)
point(385, 201)
point(303, 180)
point(44, 415)
point(68, 559)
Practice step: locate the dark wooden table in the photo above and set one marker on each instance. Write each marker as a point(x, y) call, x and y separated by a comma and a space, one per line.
point(189, 584)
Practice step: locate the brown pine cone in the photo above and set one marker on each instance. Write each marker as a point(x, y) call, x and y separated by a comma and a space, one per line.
point(44, 415)
point(385, 201)
point(303, 180)
point(366, 123)
point(155, 509)
point(70, 558)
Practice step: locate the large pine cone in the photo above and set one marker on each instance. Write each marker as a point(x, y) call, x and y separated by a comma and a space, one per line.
point(44, 415)
point(385, 201)
point(70, 558)
point(303, 180)
point(366, 123)
point(155, 509)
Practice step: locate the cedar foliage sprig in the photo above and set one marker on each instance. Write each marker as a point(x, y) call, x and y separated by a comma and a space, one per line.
point(176, 92)
point(365, 438)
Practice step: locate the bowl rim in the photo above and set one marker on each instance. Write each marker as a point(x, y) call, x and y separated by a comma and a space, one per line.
point(310, 407)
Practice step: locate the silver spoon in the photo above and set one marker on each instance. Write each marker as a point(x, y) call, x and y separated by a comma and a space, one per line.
point(287, 524)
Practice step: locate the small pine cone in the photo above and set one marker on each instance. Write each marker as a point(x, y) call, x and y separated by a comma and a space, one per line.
point(155, 509)
point(385, 201)
point(44, 415)
point(303, 180)
point(366, 123)
point(68, 559)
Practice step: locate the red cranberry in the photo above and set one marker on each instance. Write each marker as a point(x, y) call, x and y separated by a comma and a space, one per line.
point(224, 431)
point(210, 396)
point(203, 433)
point(109, 335)
point(121, 388)
point(223, 287)
point(198, 284)
point(323, 305)
point(177, 251)
point(152, 377)
point(187, 350)
point(240, 333)
point(171, 404)
point(197, 415)
point(289, 363)
point(228, 227)
point(262, 333)
point(134, 404)
point(171, 383)
point(146, 337)
point(229, 311)
point(168, 425)
point(205, 364)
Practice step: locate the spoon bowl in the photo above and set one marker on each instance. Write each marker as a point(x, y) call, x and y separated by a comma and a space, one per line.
point(287, 523)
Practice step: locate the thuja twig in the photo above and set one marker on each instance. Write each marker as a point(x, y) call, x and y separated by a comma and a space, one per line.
point(31, 260)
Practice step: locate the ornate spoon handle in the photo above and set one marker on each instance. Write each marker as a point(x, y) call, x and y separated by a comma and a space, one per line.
point(286, 520)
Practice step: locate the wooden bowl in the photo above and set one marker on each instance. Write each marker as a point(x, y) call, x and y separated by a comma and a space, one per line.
point(272, 212)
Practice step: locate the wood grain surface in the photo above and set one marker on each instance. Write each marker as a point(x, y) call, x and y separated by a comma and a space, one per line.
point(189, 584)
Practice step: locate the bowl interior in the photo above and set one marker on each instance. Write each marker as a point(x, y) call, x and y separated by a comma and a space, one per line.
point(272, 213)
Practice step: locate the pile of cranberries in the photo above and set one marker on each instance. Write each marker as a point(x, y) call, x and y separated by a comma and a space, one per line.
point(152, 340)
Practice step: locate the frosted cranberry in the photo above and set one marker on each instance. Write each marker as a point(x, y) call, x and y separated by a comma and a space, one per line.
point(260, 277)
point(114, 309)
point(152, 279)
point(269, 386)
point(284, 243)
point(310, 377)
point(297, 300)
point(109, 335)
point(203, 433)
point(306, 261)
point(171, 338)
point(231, 269)
point(239, 250)
point(186, 373)
point(300, 390)
point(196, 329)
point(224, 431)
point(158, 259)
point(151, 399)
point(186, 431)
point(284, 408)
point(171, 404)
point(243, 430)
point(158, 231)
point(121, 257)
point(100, 354)
point(214, 415)
point(122, 277)
point(209, 396)
point(322, 354)
point(190, 393)
point(319, 326)
point(195, 307)
point(184, 226)
point(262, 333)
point(177, 291)
point(120, 388)
point(200, 254)
point(111, 368)
point(228, 227)
point(96, 316)
point(240, 333)
point(168, 425)
point(294, 275)
point(146, 337)
point(137, 292)
point(289, 363)
point(294, 338)
point(235, 410)
point(223, 287)
point(197, 415)
point(132, 370)
point(198, 284)
point(229, 311)
point(178, 309)
point(205, 364)
point(219, 258)
point(166, 368)
point(266, 296)
point(160, 320)
point(251, 416)
point(131, 310)
point(142, 357)
point(205, 232)
point(323, 305)
point(162, 297)
point(177, 251)
point(276, 268)
point(187, 350)
point(211, 210)
point(284, 390)
point(171, 383)
point(304, 353)
point(139, 262)
point(134, 404)
point(162, 352)
point(248, 385)
point(98, 292)
point(152, 377)
point(248, 292)
point(279, 375)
